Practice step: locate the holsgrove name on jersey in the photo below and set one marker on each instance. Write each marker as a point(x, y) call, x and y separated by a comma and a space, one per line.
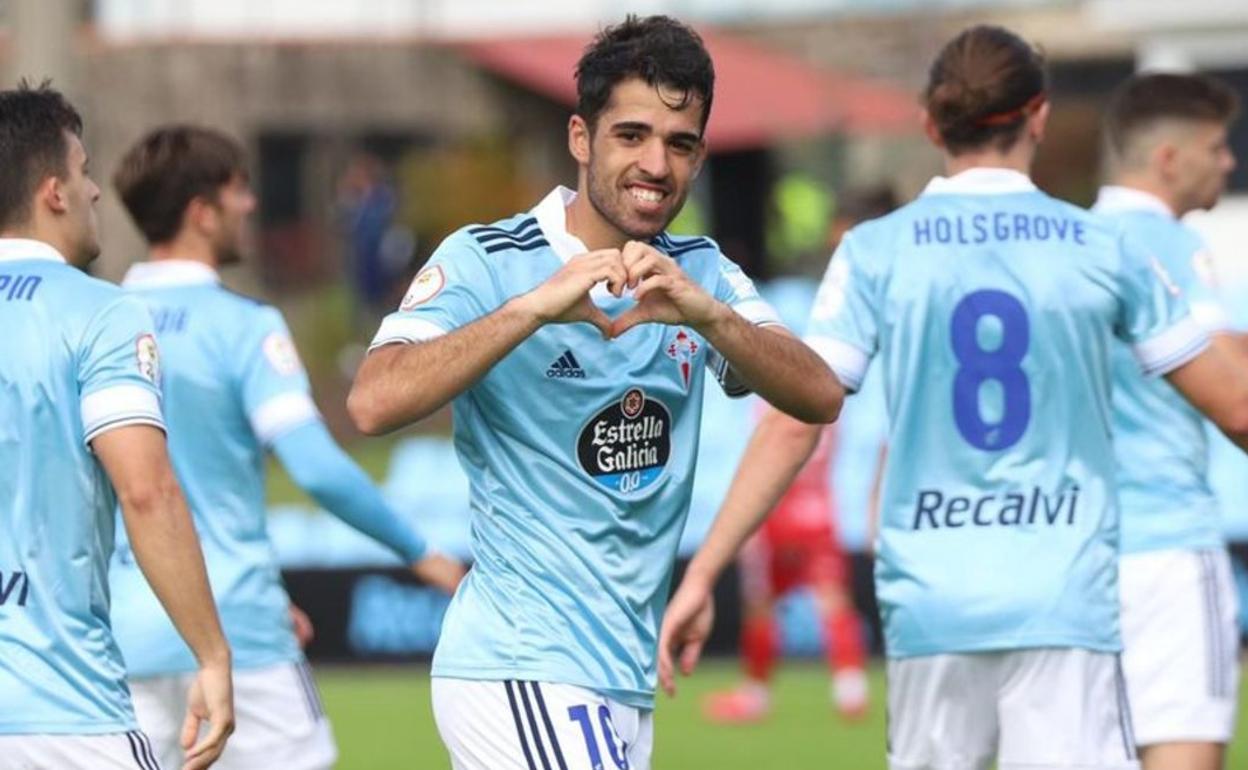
point(934, 509)
point(626, 445)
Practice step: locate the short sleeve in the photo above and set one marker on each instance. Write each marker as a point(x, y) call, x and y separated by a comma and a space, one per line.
point(454, 289)
point(1200, 270)
point(1155, 317)
point(119, 370)
point(843, 326)
point(276, 395)
point(735, 289)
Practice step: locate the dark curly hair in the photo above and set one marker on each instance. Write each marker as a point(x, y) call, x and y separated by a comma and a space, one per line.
point(657, 49)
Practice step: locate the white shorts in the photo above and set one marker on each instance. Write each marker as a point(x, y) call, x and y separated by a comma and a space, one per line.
point(511, 725)
point(1042, 709)
point(278, 719)
point(1180, 636)
point(112, 751)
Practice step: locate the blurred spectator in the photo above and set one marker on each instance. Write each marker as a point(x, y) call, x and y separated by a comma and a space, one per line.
point(379, 250)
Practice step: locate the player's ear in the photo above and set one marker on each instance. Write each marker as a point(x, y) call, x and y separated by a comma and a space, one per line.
point(579, 136)
point(930, 130)
point(1164, 158)
point(1038, 122)
point(52, 193)
point(200, 215)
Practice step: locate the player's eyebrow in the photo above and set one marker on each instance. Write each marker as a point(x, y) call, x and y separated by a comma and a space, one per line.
point(685, 136)
point(632, 125)
point(645, 128)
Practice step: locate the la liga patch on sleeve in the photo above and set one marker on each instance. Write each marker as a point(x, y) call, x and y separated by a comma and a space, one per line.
point(147, 358)
point(427, 284)
point(280, 352)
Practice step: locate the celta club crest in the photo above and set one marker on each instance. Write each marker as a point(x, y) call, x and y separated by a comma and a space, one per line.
point(632, 403)
point(682, 350)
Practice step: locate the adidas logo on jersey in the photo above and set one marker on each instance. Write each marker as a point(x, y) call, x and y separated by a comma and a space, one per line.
point(566, 365)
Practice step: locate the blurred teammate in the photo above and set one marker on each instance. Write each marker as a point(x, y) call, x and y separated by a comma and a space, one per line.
point(81, 430)
point(234, 388)
point(992, 310)
point(1169, 155)
point(578, 431)
point(798, 546)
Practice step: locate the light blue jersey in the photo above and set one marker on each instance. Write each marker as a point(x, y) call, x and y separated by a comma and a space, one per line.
point(234, 389)
point(79, 360)
point(580, 455)
point(232, 383)
point(992, 310)
point(1159, 438)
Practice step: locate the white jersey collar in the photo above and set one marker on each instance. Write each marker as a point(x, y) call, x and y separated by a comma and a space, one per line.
point(552, 217)
point(16, 249)
point(169, 272)
point(1116, 199)
point(981, 181)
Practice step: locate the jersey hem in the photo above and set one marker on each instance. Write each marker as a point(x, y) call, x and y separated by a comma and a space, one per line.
point(238, 664)
point(1004, 644)
point(62, 728)
point(1172, 544)
point(1201, 547)
point(634, 698)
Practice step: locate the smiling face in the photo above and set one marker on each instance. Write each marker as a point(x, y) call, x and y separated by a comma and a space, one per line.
point(640, 158)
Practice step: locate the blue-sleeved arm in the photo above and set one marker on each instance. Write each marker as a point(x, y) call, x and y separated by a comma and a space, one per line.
point(320, 467)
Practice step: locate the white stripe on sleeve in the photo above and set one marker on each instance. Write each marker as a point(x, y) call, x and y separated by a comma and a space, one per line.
point(757, 311)
point(1173, 347)
point(847, 361)
point(280, 414)
point(398, 329)
point(119, 406)
point(1212, 316)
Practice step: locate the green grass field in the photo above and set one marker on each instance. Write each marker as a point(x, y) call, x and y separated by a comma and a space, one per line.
point(383, 721)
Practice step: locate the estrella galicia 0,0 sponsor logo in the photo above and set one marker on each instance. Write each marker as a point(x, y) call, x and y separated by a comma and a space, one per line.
point(625, 446)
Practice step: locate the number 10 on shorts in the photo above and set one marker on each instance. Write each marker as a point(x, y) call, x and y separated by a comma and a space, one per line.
point(615, 749)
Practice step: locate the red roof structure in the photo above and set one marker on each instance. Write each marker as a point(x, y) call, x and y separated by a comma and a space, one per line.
point(761, 96)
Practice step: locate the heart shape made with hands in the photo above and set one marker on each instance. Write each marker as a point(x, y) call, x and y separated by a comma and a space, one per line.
point(662, 291)
point(621, 317)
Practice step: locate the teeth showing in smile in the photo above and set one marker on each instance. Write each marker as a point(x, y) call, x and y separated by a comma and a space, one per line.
point(648, 196)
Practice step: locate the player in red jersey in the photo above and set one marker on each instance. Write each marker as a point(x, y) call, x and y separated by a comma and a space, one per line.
point(798, 547)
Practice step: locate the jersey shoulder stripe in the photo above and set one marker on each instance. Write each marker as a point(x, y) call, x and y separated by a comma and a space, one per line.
point(524, 235)
point(674, 246)
point(520, 223)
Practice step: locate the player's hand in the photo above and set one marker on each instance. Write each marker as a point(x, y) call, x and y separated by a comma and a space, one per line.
point(440, 572)
point(564, 297)
point(686, 626)
point(304, 632)
point(211, 700)
point(664, 293)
